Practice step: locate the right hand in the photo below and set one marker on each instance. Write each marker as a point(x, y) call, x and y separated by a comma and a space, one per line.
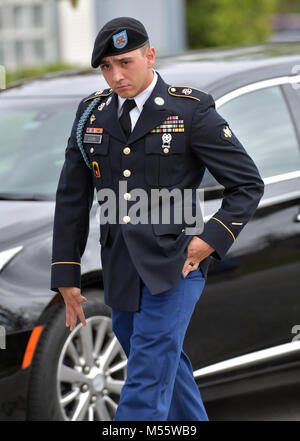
point(72, 297)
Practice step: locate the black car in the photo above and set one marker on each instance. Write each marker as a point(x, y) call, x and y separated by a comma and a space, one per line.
point(244, 333)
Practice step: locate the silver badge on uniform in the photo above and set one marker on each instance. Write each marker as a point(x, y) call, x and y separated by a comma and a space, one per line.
point(166, 141)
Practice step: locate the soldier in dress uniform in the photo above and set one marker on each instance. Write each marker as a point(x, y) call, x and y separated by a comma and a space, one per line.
point(149, 135)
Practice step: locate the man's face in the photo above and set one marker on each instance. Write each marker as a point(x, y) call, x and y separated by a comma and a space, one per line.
point(130, 73)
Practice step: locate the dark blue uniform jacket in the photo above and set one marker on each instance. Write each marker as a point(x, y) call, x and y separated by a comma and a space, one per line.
point(151, 252)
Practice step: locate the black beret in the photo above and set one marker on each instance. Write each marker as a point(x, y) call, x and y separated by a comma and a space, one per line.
point(120, 35)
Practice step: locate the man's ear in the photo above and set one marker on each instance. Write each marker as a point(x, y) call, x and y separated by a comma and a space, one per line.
point(150, 56)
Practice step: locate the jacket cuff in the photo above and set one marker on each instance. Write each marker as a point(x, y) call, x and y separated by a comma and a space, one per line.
point(219, 236)
point(65, 274)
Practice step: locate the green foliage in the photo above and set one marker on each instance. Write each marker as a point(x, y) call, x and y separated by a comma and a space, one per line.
point(29, 72)
point(228, 22)
point(289, 6)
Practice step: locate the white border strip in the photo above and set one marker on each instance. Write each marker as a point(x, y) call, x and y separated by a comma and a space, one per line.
point(248, 360)
point(282, 177)
point(256, 86)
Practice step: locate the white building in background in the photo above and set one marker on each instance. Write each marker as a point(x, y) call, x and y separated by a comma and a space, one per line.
point(28, 32)
point(37, 32)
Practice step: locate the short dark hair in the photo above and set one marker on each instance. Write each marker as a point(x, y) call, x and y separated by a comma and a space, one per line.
point(145, 47)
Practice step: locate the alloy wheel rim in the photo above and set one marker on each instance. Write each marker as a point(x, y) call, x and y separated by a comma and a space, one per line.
point(91, 372)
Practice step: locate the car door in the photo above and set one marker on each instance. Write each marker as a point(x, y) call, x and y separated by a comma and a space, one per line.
point(251, 299)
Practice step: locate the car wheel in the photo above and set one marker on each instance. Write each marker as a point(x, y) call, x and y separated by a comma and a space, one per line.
point(77, 375)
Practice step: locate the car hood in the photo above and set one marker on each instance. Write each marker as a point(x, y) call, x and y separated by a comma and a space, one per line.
point(20, 219)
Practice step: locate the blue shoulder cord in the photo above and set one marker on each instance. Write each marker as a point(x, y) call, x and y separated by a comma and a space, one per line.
point(80, 126)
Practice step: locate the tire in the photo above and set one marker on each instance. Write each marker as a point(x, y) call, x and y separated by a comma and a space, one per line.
point(77, 375)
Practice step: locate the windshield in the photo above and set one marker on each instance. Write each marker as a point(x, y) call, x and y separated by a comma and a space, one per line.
point(33, 138)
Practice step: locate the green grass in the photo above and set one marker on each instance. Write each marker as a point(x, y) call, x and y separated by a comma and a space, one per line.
point(26, 72)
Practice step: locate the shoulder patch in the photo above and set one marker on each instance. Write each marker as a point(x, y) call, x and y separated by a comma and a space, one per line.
point(186, 92)
point(99, 93)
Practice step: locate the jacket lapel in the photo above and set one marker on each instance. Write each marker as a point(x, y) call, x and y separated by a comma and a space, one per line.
point(107, 118)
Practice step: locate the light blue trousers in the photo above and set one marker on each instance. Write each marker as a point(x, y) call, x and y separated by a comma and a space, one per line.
point(160, 385)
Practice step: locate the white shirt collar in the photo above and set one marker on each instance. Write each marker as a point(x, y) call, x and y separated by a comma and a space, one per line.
point(142, 97)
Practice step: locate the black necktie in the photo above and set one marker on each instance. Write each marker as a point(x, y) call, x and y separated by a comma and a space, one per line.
point(125, 120)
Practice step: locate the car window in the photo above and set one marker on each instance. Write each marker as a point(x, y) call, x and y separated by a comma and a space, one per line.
point(262, 122)
point(33, 139)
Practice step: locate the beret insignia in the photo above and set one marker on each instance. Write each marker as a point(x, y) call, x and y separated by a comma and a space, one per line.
point(120, 40)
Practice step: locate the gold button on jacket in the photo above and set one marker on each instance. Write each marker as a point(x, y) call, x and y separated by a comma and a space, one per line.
point(126, 219)
point(126, 173)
